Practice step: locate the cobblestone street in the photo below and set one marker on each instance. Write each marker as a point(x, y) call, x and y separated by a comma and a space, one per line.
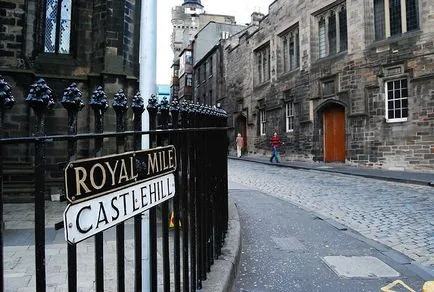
point(398, 215)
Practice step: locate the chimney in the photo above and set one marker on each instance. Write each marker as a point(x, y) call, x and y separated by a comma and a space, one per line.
point(256, 17)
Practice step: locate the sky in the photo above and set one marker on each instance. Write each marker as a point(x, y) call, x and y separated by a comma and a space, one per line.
point(241, 9)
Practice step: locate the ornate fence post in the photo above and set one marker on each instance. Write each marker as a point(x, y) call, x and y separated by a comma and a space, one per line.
point(99, 105)
point(153, 110)
point(7, 101)
point(184, 193)
point(40, 99)
point(73, 103)
point(138, 107)
point(120, 106)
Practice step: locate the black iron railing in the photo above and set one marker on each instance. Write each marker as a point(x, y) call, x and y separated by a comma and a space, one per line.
point(198, 212)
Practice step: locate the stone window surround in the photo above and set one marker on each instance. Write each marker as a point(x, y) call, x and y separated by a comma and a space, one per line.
point(386, 19)
point(326, 80)
point(324, 16)
point(262, 122)
point(384, 82)
point(263, 64)
point(287, 61)
point(289, 116)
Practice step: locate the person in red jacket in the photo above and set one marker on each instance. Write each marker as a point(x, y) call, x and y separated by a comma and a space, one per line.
point(275, 142)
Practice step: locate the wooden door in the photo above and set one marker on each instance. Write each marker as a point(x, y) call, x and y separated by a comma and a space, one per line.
point(334, 134)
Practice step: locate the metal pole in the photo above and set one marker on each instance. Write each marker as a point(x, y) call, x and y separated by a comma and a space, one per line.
point(147, 60)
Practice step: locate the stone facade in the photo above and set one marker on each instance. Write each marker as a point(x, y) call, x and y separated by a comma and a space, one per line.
point(104, 45)
point(310, 59)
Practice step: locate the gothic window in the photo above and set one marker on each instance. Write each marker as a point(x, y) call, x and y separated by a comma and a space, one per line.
point(263, 64)
point(332, 31)
point(396, 92)
point(57, 37)
point(395, 17)
point(290, 50)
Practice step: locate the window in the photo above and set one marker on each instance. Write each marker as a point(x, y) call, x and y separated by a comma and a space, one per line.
point(210, 66)
point(57, 37)
point(262, 121)
point(263, 64)
point(189, 80)
point(328, 87)
point(332, 32)
point(394, 17)
point(396, 100)
point(290, 50)
point(289, 116)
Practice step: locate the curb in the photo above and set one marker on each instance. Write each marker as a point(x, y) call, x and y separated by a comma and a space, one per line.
point(340, 171)
point(224, 270)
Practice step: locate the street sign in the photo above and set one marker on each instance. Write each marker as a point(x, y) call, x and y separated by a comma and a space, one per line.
point(86, 218)
point(88, 178)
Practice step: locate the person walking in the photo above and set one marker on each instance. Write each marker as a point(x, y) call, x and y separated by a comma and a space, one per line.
point(240, 142)
point(275, 143)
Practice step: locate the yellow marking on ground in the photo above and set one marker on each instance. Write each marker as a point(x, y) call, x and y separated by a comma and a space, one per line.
point(428, 286)
point(388, 287)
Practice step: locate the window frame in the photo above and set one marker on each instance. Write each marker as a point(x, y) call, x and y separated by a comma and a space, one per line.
point(289, 116)
point(394, 99)
point(56, 32)
point(332, 40)
point(262, 62)
point(290, 41)
point(384, 22)
point(262, 122)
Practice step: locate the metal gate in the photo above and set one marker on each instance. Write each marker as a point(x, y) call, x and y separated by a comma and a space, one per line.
point(198, 212)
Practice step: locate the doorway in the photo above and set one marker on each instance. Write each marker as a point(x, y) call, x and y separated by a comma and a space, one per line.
point(334, 134)
point(241, 127)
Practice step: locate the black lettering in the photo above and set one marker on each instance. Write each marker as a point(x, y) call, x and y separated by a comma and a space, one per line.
point(163, 195)
point(125, 202)
point(101, 211)
point(115, 208)
point(152, 192)
point(144, 196)
point(77, 221)
point(134, 202)
point(168, 187)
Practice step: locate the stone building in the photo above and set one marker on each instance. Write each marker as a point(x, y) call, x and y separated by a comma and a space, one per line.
point(339, 81)
point(188, 20)
point(92, 43)
point(207, 56)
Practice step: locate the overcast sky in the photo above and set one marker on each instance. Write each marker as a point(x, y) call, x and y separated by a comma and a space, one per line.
point(241, 9)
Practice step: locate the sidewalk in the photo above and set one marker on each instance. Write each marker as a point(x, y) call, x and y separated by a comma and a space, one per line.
point(412, 177)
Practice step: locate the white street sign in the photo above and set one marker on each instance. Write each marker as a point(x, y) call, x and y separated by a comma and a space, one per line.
point(85, 219)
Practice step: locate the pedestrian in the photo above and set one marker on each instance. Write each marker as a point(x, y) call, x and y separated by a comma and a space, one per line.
point(240, 142)
point(275, 143)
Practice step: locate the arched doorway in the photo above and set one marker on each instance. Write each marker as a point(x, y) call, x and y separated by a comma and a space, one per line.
point(333, 119)
point(241, 127)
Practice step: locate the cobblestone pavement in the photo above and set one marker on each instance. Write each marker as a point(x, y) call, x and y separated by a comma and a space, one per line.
point(400, 216)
